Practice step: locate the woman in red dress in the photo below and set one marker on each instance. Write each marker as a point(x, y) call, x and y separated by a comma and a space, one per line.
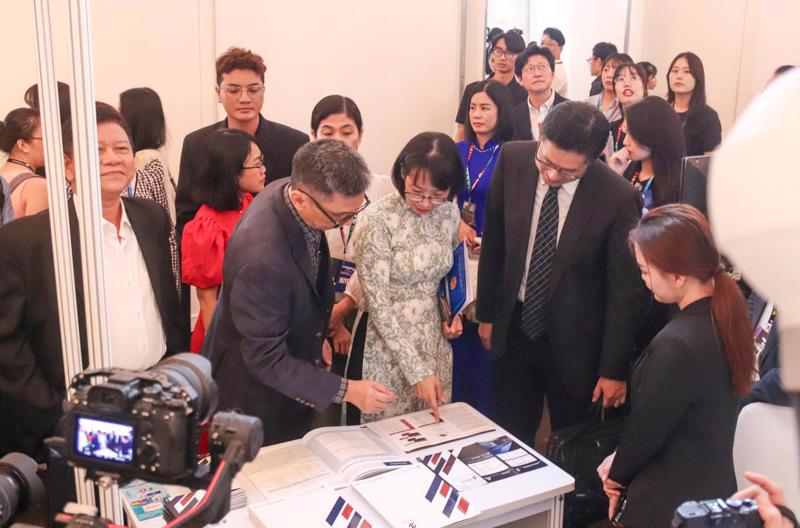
point(234, 172)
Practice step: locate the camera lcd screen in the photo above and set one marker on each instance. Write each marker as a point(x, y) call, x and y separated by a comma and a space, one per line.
point(104, 440)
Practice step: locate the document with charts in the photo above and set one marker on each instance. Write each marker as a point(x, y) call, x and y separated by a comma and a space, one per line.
point(332, 456)
point(419, 430)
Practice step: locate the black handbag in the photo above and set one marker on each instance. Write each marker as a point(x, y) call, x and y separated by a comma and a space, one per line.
point(578, 450)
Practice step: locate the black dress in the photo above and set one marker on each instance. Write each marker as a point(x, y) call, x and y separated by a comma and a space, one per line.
point(677, 444)
point(702, 129)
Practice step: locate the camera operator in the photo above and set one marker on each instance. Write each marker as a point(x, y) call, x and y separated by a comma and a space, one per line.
point(771, 503)
point(677, 444)
point(143, 306)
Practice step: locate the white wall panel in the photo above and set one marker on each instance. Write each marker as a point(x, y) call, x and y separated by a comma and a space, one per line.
point(398, 60)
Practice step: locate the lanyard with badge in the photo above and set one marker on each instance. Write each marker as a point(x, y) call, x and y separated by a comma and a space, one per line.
point(344, 268)
point(468, 210)
point(647, 192)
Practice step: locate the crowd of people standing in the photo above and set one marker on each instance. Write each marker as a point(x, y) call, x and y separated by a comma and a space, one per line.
point(317, 280)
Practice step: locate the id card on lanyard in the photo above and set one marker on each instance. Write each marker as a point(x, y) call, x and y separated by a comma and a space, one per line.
point(344, 268)
point(468, 209)
point(647, 197)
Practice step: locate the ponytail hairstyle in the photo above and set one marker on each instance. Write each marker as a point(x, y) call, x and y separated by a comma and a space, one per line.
point(18, 124)
point(677, 239)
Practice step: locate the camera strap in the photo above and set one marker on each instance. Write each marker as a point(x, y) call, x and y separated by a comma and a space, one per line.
point(788, 514)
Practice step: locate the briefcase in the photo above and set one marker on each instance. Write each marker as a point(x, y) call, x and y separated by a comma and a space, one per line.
point(578, 450)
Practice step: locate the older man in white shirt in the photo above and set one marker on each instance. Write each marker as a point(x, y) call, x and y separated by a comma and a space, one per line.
point(143, 318)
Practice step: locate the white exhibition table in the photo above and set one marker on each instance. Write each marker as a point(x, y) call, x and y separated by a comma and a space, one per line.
point(531, 499)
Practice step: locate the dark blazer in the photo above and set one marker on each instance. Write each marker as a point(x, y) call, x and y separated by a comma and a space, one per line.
point(595, 291)
point(265, 340)
point(596, 87)
point(31, 364)
point(277, 142)
point(677, 444)
point(521, 117)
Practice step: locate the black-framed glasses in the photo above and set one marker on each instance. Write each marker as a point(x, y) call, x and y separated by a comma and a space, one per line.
point(499, 52)
point(344, 218)
point(549, 167)
point(258, 165)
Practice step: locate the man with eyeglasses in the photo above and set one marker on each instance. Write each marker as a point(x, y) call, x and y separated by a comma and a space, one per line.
point(505, 48)
point(267, 339)
point(240, 88)
point(535, 67)
point(600, 51)
point(558, 291)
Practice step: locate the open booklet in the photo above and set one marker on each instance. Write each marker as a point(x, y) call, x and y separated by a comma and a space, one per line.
point(332, 456)
point(307, 482)
point(419, 430)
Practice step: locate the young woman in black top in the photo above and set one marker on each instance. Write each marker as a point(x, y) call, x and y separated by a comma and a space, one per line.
point(677, 442)
point(686, 93)
point(654, 145)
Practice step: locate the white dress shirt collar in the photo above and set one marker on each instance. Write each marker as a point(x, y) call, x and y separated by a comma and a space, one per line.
point(546, 106)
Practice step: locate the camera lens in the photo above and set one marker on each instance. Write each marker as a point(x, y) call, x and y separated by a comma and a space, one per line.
point(192, 372)
point(20, 487)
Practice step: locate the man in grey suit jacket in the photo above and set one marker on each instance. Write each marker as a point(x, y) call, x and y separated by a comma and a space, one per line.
point(267, 340)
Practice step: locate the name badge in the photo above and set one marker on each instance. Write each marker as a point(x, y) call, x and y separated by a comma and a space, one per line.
point(468, 214)
point(346, 270)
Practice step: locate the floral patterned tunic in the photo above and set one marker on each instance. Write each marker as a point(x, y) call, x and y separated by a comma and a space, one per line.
point(402, 258)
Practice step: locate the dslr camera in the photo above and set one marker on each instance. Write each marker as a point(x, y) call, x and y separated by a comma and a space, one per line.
point(139, 424)
point(721, 513)
point(121, 424)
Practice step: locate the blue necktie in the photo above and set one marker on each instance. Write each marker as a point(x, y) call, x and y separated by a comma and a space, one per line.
point(534, 307)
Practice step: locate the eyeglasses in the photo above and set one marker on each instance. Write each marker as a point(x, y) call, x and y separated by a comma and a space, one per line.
point(591, 59)
point(499, 52)
point(630, 78)
point(344, 218)
point(530, 68)
point(234, 90)
point(258, 165)
point(419, 198)
point(34, 137)
point(546, 166)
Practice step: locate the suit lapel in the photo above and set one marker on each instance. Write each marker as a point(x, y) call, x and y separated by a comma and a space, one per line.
point(297, 241)
point(580, 212)
point(520, 216)
point(77, 269)
point(148, 245)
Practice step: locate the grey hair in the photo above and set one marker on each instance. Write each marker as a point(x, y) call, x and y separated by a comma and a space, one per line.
point(330, 166)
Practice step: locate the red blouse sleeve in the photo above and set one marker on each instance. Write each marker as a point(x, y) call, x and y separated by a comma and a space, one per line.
point(203, 249)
